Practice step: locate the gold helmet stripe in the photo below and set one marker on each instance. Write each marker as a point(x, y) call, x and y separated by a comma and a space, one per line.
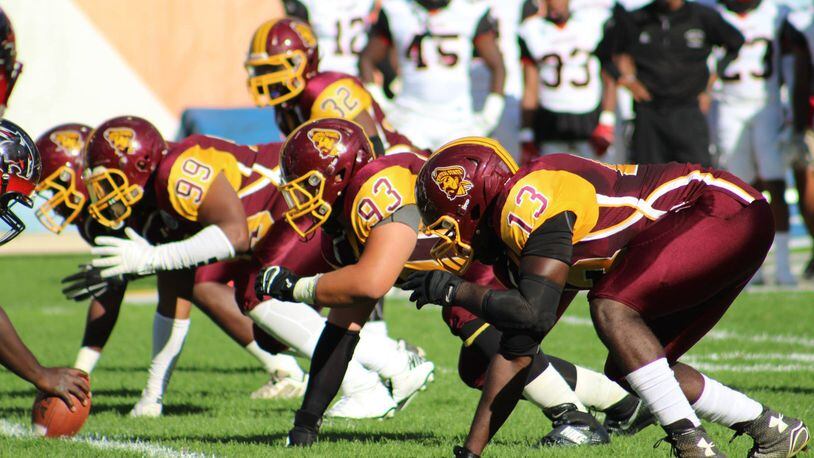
point(261, 36)
point(487, 142)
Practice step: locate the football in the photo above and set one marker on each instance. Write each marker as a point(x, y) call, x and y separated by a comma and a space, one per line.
point(51, 417)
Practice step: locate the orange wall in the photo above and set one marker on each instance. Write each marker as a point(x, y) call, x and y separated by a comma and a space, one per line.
point(189, 52)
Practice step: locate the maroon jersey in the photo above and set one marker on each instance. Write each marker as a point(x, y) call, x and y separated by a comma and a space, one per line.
point(337, 95)
point(612, 204)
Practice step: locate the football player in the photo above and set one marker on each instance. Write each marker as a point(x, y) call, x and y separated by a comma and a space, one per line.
point(434, 41)
point(214, 201)
point(365, 206)
point(663, 250)
point(65, 204)
point(19, 173)
point(340, 27)
point(10, 67)
point(750, 114)
point(568, 103)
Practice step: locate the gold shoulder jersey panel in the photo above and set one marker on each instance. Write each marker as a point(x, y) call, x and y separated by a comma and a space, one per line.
point(193, 172)
point(540, 195)
point(343, 98)
point(379, 197)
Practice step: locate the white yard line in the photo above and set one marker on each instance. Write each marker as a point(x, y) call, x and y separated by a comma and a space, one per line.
point(143, 448)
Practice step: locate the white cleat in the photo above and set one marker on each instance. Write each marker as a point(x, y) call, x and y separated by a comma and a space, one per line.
point(146, 408)
point(281, 388)
point(374, 402)
point(406, 385)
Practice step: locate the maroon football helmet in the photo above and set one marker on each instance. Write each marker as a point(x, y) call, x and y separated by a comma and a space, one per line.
point(283, 55)
point(62, 187)
point(454, 190)
point(10, 68)
point(120, 158)
point(317, 162)
point(20, 169)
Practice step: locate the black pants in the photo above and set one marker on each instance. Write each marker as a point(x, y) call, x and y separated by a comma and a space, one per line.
point(667, 132)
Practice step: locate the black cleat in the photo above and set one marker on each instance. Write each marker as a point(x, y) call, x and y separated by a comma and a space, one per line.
point(463, 452)
point(305, 430)
point(775, 435)
point(690, 442)
point(573, 428)
point(631, 424)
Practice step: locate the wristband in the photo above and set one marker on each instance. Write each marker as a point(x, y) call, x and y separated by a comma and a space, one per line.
point(305, 290)
point(607, 118)
point(526, 135)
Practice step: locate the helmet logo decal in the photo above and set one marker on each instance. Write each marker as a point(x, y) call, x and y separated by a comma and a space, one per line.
point(121, 139)
point(68, 141)
point(305, 32)
point(326, 141)
point(452, 181)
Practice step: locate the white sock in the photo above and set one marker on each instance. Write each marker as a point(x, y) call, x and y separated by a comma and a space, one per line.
point(549, 389)
point(723, 405)
point(86, 359)
point(656, 385)
point(380, 353)
point(299, 326)
point(169, 335)
point(781, 252)
point(294, 324)
point(597, 391)
point(376, 327)
point(277, 365)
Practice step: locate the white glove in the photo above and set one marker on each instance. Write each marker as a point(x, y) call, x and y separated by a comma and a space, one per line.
point(488, 118)
point(132, 255)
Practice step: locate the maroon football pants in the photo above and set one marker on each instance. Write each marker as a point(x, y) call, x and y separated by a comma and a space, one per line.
point(683, 272)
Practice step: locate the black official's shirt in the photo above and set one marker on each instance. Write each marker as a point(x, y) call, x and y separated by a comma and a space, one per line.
point(670, 48)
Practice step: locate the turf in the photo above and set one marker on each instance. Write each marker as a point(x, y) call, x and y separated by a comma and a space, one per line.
point(208, 410)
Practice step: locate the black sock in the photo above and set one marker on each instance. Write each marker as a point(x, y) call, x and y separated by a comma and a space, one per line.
point(328, 365)
point(566, 369)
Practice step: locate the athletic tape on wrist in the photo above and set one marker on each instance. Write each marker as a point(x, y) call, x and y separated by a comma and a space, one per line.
point(305, 290)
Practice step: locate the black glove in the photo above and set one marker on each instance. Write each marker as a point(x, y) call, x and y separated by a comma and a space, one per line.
point(277, 282)
point(432, 287)
point(463, 452)
point(88, 282)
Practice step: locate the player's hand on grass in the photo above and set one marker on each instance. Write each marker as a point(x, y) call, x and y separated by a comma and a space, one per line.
point(64, 382)
point(88, 283)
point(432, 287)
point(276, 282)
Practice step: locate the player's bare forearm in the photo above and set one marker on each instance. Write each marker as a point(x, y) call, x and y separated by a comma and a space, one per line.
point(14, 355)
point(489, 51)
point(531, 95)
point(608, 93)
point(222, 207)
point(502, 388)
point(375, 52)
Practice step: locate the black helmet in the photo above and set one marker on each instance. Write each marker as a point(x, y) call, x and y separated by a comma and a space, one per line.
point(20, 169)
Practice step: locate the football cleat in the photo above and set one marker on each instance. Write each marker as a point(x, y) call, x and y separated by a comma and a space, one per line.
point(405, 386)
point(775, 435)
point(463, 452)
point(373, 402)
point(572, 427)
point(690, 442)
point(282, 388)
point(403, 345)
point(640, 418)
point(147, 408)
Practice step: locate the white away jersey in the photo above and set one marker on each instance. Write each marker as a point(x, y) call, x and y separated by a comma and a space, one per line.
point(570, 79)
point(341, 27)
point(434, 51)
point(754, 74)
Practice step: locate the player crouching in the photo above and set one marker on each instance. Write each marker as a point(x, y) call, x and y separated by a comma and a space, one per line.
point(663, 250)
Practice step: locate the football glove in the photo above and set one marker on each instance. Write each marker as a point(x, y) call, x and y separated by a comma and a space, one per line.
point(487, 119)
point(88, 283)
point(276, 282)
point(603, 135)
point(432, 287)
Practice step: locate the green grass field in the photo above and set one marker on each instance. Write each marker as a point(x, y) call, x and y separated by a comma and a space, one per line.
point(764, 346)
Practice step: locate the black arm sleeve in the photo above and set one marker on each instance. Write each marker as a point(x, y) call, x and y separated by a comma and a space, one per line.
point(524, 315)
point(553, 239)
point(295, 8)
point(381, 28)
point(615, 39)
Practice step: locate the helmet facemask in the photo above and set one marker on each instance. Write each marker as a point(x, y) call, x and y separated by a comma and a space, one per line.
point(451, 251)
point(112, 196)
point(276, 79)
point(13, 190)
point(63, 202)
point(304, 196)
